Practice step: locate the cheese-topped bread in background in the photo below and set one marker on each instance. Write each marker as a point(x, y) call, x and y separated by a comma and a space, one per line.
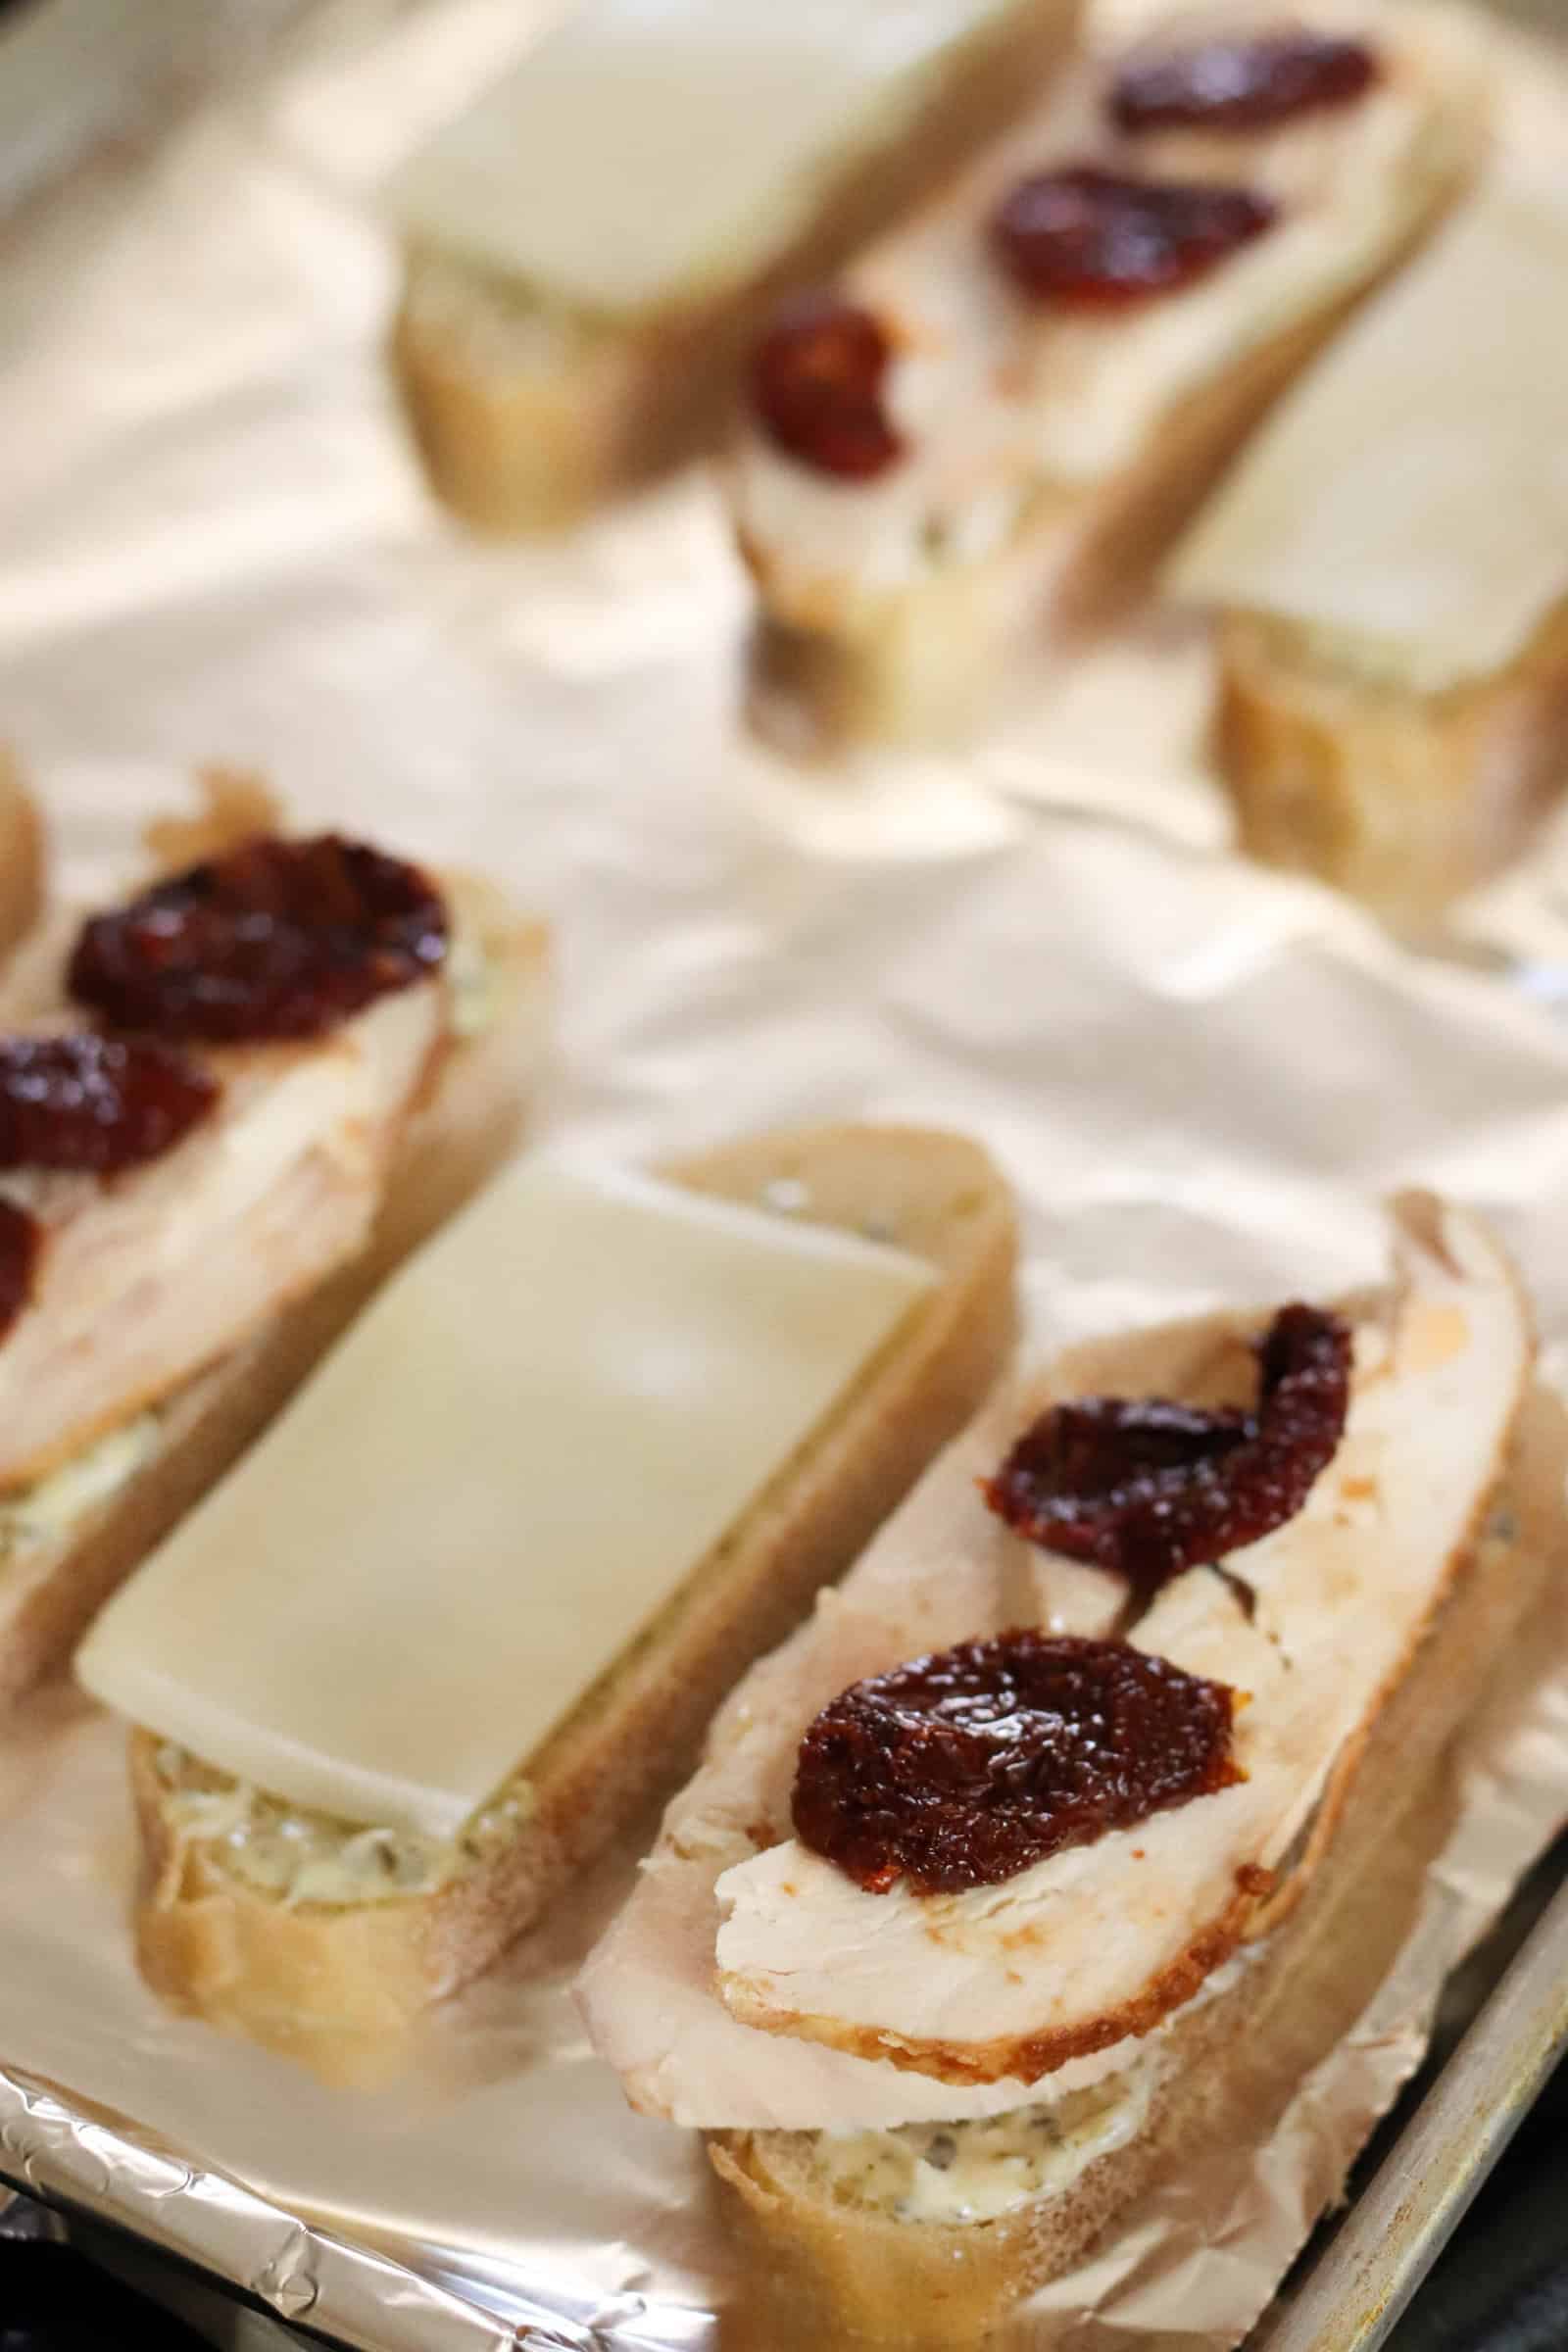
point(990, 431)
point(1389, 577)
point(477, 1593)
point(926, 2103)
point(204, 1204)
point(590, 242)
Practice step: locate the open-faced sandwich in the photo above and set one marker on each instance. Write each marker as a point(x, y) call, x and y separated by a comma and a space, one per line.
point(227, 1107)
point(475, 1593)
point(592, 240)
point(1390, 571)
point(989, 432)
point(1082, 1819)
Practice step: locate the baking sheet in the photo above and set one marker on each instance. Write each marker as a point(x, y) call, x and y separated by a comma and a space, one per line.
point(1404, 2216)
point(215, 545)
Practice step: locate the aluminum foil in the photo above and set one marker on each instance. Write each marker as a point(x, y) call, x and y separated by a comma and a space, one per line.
point(215, 545)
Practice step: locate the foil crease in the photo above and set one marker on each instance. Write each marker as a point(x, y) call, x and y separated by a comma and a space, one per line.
point(216, 546)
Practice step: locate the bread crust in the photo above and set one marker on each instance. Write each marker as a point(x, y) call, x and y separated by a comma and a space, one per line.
point(294, 1975)
point(471, 1118)
point(21, 856)
point(829, 2272)
point(1401, 797)
point(514, 441)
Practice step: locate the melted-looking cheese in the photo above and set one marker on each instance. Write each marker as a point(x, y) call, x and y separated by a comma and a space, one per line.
point(975, 2172)
point(978, 2167)
point(296, 1857)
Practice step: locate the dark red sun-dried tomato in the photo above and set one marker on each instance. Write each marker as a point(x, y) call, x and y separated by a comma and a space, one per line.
point(96, 1103)
point(1242, 85)
point(1148, 1489)
point(817, 381)
point(280, 938)
point(1088, 239)
point(21, 1240)
point(961, 1769)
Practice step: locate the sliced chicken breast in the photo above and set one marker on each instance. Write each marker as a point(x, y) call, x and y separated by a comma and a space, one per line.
point(753, 1989)
point(145, 1277)
point(1102, 1941)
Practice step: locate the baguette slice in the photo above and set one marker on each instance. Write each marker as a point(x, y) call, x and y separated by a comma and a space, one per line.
point(20, 856)
point(1119, 1932)
point(885, 2206)
point(1051, 458)
point(831, 2268)
point(1388, 573)
point(70, 1542)
point(531, 407)
point(1400, 796)
point(293, 1973)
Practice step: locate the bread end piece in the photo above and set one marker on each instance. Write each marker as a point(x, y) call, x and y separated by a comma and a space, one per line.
point(1401, 797)
point(528, 415)
point(853, 2276)
point(317, 1978)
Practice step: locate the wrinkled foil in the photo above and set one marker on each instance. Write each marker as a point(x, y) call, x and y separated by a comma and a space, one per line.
point(215, 545)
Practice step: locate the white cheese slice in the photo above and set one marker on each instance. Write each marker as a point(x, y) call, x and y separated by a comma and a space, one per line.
point(1413, 494)
point(650, 150)
point(490, 1487)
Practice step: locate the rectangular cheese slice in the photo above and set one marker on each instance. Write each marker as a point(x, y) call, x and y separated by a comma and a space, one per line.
point(493, 1483)
point(1412, 499)
point(650, 152)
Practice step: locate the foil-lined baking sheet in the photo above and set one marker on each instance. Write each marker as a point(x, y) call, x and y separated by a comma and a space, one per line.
point(215, 545)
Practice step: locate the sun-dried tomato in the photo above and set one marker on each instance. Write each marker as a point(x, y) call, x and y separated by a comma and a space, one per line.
point(1088, 239)
point(1242, 85)
point(961, 1769)
point(818, 378)
point(96, 1103)
point(280, 938)
point(1149, 1489)
point(21, 1242)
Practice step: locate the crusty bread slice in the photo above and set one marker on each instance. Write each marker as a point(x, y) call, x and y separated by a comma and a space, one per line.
point(21, 856)
point(289, 1974)
point(528, 417)
point(841, 662)
point(931, 664)
point(1403, 798)
point(829, 2270)
point(469, 1121)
